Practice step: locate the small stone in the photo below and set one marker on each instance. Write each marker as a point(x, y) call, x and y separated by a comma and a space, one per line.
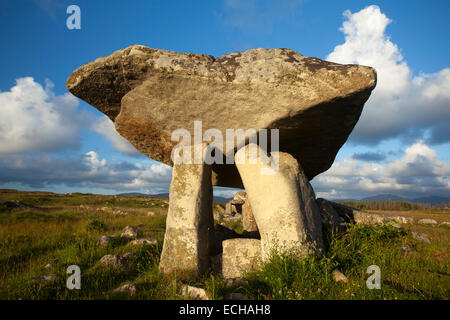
point(113, 261)
point(130, 254)
point(236, 296)
point(427, 221)
point(339, 276)
point(233, 282)
point(46, 278)
point(104, 240)
point(129, 232)
point(407, 249)
point(193, 292)
point(129, 289)
point(420, 236)
point(150, 214)
point(141, 242)
point(48, 266)
point(445, 223)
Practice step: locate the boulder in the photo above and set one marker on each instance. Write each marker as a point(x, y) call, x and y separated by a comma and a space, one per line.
point(330, 217)
point(345, 212)
point(240, 256)
point(282, 200)
point(240, 197)
point(428, 221)
point(248, 219)
point(148, 93)
point(373, 218)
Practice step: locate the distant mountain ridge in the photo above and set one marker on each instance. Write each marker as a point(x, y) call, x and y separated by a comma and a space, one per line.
point(432, 200)
point(216, 199)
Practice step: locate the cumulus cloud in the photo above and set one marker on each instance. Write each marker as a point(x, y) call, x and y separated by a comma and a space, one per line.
point(34, 118)
point(105, 126)
point(418, 171)
point(39, 170)
point(402, 105)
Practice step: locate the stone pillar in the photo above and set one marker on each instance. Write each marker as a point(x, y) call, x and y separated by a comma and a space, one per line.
point(190, 223)
point(283, 202)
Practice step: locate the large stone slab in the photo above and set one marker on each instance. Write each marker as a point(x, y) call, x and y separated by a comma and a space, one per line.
point(283, 202)
point(190, 225)
point(149, 93)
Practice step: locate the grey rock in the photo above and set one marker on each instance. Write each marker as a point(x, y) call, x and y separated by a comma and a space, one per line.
point(113, 261)
point(193, 292)
point(420, 236)
point(129, 289)
point(338, 276)
point(428, 221)
point(129, 232)
point(104, 240)
point(142, 242)
point(46, 278)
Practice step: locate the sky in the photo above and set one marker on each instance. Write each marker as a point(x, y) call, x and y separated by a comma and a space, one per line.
point(51, 140)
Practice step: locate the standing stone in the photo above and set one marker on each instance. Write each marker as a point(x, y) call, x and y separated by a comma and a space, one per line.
point(190, 224)
point(248, 220)
point(282, 200)
point(240, 256)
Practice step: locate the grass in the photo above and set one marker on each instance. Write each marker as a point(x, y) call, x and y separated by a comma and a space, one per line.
point(58, 231)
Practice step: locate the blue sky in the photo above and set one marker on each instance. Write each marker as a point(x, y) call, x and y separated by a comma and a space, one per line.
point(50, 140)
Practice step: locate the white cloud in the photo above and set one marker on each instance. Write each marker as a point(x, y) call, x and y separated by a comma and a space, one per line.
point(418, 170)
point(106, 127)
point(401, 105)
point(39, 170)
point(34, 118)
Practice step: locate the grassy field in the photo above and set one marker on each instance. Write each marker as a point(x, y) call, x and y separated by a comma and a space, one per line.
point(62, 229)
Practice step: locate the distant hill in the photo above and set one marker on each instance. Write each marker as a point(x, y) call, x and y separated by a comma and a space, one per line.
point(431, 200)
point(216, 199)
point(384, 197)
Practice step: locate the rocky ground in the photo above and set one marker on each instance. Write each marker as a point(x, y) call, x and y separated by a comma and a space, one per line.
point(116, 241)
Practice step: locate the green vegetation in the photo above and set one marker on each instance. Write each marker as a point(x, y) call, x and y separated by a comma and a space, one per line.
point(60, 232)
